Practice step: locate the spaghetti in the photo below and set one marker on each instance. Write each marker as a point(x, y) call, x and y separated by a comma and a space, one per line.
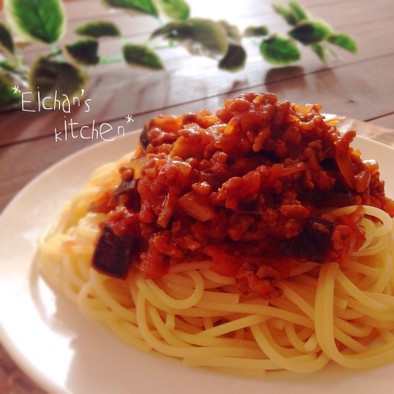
point(339, 310)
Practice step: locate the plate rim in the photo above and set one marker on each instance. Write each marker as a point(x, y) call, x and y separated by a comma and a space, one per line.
point(15, 351)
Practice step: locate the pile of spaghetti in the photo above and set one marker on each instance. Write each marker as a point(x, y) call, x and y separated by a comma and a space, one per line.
point(247, 240)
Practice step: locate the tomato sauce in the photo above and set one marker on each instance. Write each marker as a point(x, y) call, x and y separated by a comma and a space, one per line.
point(247, 187)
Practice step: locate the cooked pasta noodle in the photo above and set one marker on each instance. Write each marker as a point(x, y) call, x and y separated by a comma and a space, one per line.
point(343, 313)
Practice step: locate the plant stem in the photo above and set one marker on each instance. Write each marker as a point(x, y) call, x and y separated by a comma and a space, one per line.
point(111, 59)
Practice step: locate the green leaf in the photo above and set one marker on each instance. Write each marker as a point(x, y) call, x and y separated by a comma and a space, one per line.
point(234, 59)
point(84, 51)
point(344, 41)
point(174, 9)
point(285, 13)
point(8, 99)
point(145, 6)
point(298, 11)
point(199, 36)
point(141, 55)
point(311, 32)
point(278, 49)
point(319, 50)
point(256, 31)
point(98, 28)
point(52, 77)
point(37, 20)
point(7, 65)
point(6, 41)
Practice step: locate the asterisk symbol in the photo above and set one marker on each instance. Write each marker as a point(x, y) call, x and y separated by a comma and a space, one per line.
point(129, 118)
point(15, 89)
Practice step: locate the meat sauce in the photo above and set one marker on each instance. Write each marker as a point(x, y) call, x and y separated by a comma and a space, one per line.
point(247, 188)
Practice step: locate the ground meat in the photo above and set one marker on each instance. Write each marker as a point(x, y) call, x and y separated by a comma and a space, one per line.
point(243, 187)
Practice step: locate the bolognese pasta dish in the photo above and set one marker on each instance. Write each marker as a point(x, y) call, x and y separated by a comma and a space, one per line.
point(248, 240)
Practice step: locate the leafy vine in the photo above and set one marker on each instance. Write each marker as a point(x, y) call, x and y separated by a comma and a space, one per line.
point(61, 68)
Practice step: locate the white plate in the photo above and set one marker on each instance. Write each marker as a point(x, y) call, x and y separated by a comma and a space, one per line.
point(66, 353)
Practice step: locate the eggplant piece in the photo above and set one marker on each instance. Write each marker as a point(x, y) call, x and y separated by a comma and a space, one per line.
point(312, 243)
point(128, 187)
point(112, 253)
point(144, 141)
